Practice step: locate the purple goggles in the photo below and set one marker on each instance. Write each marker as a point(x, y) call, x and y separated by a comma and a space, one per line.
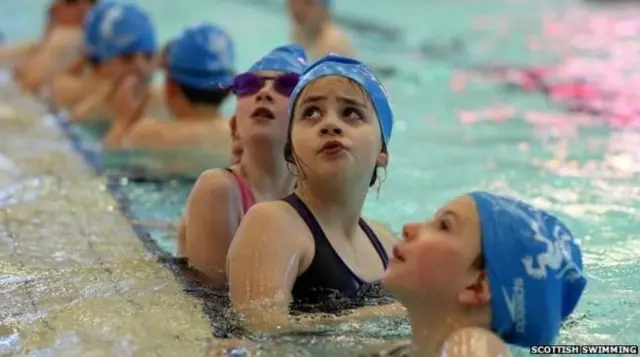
point(250, 83)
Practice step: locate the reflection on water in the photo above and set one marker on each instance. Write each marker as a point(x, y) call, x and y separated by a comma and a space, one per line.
point(162, 164)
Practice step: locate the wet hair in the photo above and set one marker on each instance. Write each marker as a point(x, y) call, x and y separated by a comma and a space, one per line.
point(164, 54)
point(93, 61)
point(210, 97)
point(213, 97)
point(479, 263)
point(288, 147)
point(130, 56)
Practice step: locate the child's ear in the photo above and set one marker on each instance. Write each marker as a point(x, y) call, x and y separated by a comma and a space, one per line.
point(477, 293)
point(383, 159)
point(233, 127)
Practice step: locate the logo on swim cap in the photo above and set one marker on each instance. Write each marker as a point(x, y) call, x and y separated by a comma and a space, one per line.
point(545, 231)
point(218, 44)
point(557, 256)
point(108, 21)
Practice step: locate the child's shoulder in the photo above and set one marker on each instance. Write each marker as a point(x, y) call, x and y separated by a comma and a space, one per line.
point(476, 340)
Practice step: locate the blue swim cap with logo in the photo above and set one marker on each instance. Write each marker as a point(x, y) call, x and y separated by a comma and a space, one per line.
point(92, 25)
point(534, 266)
point(336, 65)
point(202, 57)
point(116, 28)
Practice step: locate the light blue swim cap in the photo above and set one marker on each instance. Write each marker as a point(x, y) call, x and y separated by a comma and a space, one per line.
point(336, 65)
point(114, 28)
point(534, 267)
point(288, 58)
point(202, 57)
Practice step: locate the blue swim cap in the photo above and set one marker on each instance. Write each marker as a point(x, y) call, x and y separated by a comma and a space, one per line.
point(116, 28)
point(288, 58)
point(534, 267)
point(91, 27)
point(336, 65)
point(202, 57)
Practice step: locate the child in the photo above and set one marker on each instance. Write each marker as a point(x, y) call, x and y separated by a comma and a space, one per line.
point(199, 68)
point(315, 30)
point(221, 197)
point(485, 272)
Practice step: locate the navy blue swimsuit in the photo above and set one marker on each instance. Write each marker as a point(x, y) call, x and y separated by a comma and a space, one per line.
point(328, 274)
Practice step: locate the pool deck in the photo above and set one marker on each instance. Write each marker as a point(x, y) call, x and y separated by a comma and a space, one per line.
point(75, 280)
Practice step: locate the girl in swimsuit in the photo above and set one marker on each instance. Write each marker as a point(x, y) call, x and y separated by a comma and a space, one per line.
point(220, 198)
point(315, 240)
point(513, 274)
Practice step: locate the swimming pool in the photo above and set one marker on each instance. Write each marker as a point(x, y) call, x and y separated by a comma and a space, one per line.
point(455, 133)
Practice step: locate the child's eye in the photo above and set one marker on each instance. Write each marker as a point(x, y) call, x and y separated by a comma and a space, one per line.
point(352, 113)
point(311, 113)
point(444, 225)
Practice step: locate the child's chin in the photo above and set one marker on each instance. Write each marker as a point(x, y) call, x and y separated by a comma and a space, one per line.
point(391, 282)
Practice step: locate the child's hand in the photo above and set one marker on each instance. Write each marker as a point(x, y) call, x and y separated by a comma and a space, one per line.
point(77, 67)
point(129, 99)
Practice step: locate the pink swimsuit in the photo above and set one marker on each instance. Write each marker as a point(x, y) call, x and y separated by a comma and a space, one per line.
point(246, 194)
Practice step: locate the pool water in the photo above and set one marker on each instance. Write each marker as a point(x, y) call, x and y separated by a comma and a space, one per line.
point(455, 132)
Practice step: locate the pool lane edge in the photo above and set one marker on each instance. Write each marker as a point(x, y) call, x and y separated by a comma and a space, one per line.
point(115, 189)
point(167, 260)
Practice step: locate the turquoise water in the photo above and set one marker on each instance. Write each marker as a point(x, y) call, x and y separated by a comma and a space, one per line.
point(455, 132)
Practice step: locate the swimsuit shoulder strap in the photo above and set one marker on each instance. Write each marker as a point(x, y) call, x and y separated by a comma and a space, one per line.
point(320, 237)
point(375, 241)
point(246, 193)
point(308, 218)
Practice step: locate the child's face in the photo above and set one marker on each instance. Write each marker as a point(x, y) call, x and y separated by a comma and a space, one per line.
point(139, 64)
point(273, 124)
point(436, 261)
point(336, 109)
